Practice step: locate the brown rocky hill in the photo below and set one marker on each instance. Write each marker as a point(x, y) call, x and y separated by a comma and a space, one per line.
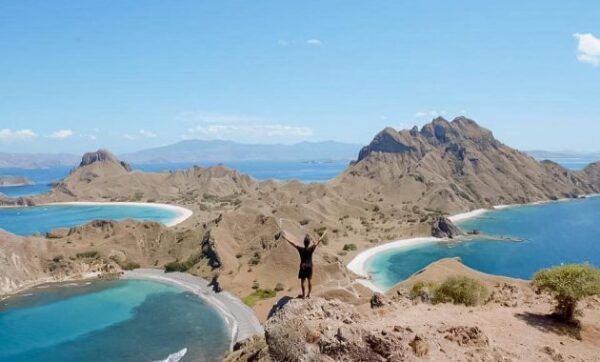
point(458, 165)
point(102, 177)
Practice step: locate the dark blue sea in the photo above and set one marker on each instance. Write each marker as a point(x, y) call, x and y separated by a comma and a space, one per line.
point(552, 234)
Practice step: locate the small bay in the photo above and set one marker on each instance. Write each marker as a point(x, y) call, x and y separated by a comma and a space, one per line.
point(553, 233)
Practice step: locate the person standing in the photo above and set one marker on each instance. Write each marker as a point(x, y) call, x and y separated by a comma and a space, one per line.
point(305, 271)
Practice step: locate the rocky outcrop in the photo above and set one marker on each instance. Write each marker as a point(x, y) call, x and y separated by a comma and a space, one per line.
point(319, 330)
point(14, 181)
point(442, 227)
point(456, 166)
point(466, 336)
point(209, 251)
point(102, 156)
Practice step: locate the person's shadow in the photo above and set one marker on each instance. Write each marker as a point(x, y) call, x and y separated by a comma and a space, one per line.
point(279, 305)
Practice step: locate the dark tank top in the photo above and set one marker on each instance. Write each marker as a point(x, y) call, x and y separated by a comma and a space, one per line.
point(306, 255)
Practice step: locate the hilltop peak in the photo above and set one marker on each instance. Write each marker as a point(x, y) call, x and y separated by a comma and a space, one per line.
point(434, 134)
point(102, 155)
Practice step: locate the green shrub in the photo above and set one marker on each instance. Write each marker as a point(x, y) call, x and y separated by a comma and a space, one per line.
point(349, 247)
point(251, 299)
point(422, 288)
point(460, 290)
point(279, 287)
point(138, 196)
point(569, 284)
point(177, 266)
point(87, 255)
point(125, 264)
point(255, 259)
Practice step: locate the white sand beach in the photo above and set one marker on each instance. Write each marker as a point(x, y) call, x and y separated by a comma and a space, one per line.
point(240, 318)
point(358, 264)
point(182, 213)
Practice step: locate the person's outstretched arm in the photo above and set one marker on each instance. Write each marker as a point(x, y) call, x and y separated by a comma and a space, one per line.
point(321, 238)
point(284, 236)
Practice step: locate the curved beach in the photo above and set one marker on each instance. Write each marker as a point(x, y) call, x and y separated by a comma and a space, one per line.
point(241, 320)
point(182, 213)
point(359, 263)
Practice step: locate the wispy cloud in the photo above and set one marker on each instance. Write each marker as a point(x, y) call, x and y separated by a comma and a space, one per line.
point(7, 134)
point(218, 125)
point(258, 130)
point(147, 134)
point(309, 42)
point(422, 114)
point(588, 48)
point(129, 137)
point(61, 134)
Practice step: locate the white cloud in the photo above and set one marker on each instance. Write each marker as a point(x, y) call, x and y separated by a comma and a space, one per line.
point(128, 137)
point(283, 43)
point(62, 134)
point(215, 117)
point(588, 48)
point(218, 125)
point(432, 114)
point(147, 134)
point(7, 134)
point(314, 42)
point(254, 130)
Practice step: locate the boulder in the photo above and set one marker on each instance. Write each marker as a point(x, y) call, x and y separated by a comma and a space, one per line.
point(442, 227)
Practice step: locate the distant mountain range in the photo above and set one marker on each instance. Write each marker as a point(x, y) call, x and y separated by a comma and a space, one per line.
point(201, 151)
point(216, 151)
point(550, 155)
point(37, 160)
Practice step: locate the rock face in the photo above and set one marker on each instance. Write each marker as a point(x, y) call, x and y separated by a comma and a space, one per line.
point(592, 172)
point(319, 330)
point(442, 227)
point(458, 165)
point(100, 156)
point(14, 181)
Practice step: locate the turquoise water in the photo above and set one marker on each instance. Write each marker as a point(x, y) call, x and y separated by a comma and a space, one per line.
point(555, 233)
point(41, 219)
point(126, 320)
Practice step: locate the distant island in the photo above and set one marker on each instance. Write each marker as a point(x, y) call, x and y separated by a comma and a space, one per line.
point(220, 151)
point(552, 155)
point(6, 181)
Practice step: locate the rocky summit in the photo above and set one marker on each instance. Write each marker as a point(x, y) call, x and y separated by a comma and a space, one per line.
point(101, 156)
point(457, 165)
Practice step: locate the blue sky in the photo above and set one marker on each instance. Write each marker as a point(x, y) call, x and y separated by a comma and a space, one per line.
point(78, 75)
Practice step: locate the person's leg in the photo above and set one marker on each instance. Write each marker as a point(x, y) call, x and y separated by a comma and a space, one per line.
point(302, 285)
point(309, 287)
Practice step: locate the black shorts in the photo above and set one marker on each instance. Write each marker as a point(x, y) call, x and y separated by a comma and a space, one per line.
point(305, 272)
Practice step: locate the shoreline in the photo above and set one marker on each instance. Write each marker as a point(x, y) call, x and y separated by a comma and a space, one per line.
point(358, 264)
point(181, 213)
point(240, 319)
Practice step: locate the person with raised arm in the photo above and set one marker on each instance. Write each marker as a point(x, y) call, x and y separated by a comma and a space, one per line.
point(306, 265)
